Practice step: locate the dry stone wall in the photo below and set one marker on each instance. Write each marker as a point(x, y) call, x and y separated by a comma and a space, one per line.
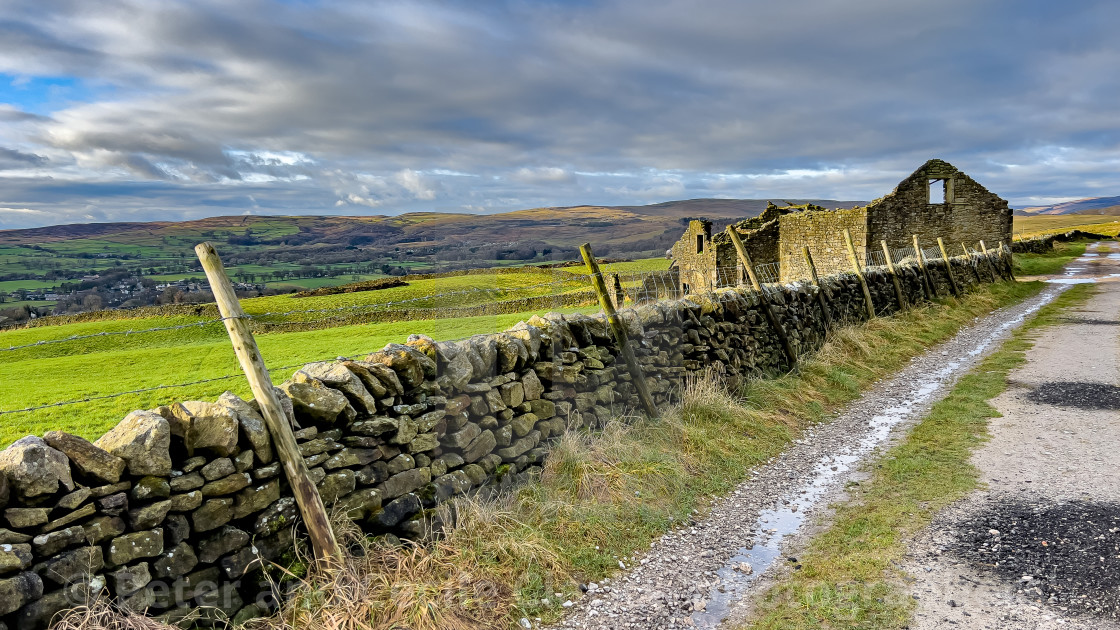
point(1045, 244)
point(186, 506)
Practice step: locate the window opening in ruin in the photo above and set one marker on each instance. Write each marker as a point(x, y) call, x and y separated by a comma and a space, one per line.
point(699, 243)
point(937, 191)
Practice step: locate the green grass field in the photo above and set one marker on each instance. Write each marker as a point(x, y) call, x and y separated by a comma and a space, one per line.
point(1048, 263)
point(7, 286)
point(31, 303)
point(65, 369)
point(109, 365)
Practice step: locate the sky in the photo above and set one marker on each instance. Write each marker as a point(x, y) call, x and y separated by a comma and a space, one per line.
point(139, 110)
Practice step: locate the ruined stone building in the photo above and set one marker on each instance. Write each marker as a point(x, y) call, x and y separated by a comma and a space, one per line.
point(937, 200)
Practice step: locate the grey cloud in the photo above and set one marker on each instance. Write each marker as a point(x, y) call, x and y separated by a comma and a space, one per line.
point(372, 104)
point(11, 158)
point(12, 114)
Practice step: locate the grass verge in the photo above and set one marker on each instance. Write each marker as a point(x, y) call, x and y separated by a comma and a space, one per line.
point(1050, 262)
point(603, 497)
point(849, 576)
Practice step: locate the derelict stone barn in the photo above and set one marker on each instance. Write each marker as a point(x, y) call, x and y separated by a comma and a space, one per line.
point(937, 200)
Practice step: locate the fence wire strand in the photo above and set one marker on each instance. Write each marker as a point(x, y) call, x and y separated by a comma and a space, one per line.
point(637, 287)
point(47, 342)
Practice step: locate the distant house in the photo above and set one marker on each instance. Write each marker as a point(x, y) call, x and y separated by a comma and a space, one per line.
point(937, 200)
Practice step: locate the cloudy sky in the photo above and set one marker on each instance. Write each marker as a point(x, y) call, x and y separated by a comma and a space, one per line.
point(157, 109)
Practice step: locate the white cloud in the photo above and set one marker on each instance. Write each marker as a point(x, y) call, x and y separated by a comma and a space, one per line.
point(543, 175)
point(417, 185)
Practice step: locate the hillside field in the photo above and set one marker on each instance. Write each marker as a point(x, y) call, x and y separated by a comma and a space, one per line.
point(1052, 223)
point(110, 364)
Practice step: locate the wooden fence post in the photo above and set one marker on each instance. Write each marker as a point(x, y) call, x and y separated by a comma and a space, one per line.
point(820, 288)
point(996, 273)
point(767, 308)
point(619, 294)
point(972, 263)
point(948, 268)
point(894, 276)
point(1009, 259)
point(619, 332)
point(306, 494)
point(931, 288)
point(859, 273)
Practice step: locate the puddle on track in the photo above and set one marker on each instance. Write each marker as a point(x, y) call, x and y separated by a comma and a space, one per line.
point(776, 525)
point(1072, 275)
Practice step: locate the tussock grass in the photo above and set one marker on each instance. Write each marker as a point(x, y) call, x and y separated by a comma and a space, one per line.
point(408, 585)
point(849, 575)
point(99, 614)
point(602, 497)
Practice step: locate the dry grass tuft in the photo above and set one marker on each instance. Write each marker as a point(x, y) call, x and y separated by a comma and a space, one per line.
point(99, 614)
point(460, 580)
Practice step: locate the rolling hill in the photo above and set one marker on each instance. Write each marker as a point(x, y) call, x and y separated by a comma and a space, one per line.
point(53, 269)
point(562, 226)
point(1090, 205)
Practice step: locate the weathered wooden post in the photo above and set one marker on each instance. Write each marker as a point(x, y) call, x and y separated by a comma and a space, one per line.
point(619, 332)
point(820, 288)
point(948, 267)
point(859, 273)
point(894, 276)
point(764, 299)
point(306, 494)
point(1009, 259)
point(972, 264)
point(619, 294)
point(931, 288)
point(991, 266)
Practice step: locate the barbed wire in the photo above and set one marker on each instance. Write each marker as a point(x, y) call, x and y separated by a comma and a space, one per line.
point(384, 305)
point(142, 390)
point(108, 333)
point(644, 286)
point(117, 395)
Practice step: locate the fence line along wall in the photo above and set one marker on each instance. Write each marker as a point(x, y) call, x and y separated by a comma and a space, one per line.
point(181, 506)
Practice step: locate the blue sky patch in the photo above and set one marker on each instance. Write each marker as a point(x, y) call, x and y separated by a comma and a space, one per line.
point(43, 95)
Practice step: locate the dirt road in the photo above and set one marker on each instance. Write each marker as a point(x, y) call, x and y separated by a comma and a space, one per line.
point(1039, 547)
point(701, 575)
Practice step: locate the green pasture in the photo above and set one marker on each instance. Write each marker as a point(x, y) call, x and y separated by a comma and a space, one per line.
point(635, 266)
point(455, 291)
point(31, 303)
point(76, 369)
point(303, 284)
point(109, 365)
point(7, 286)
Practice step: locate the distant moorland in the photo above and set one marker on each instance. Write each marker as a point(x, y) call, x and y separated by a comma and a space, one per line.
point(84, 267)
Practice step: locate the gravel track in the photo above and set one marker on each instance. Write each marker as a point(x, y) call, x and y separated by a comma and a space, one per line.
point(1036, 547)
point(705, 572)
